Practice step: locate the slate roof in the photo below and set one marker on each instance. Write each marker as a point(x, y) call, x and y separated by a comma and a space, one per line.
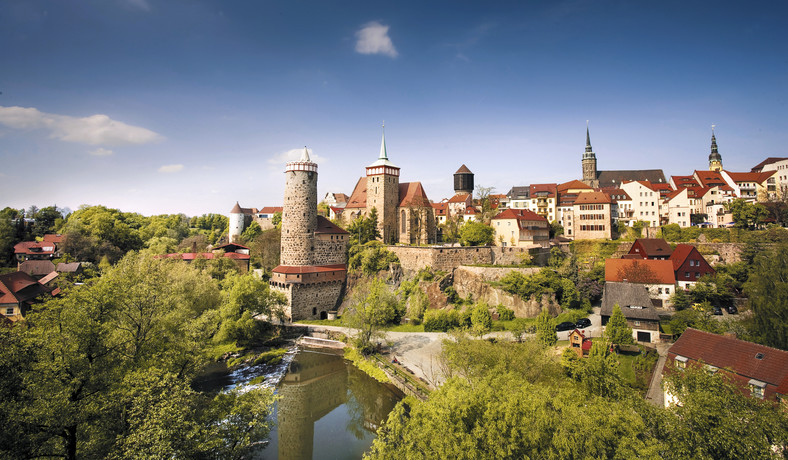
point(659, 271)
point(615, 178)
point(627, 295)
point(522, 192)
point(37, 267)
point(653, 247)
point(326, 226)
point(737, 355)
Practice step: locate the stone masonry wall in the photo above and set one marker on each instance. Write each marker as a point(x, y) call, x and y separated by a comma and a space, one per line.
point(413, 259)
point(322, 297)
point(329, 252)
point(299, 218)
point(475, 281)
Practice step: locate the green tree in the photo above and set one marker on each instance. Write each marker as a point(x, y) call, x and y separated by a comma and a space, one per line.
point(617, 331)
point(247, 298)
point(276, 220)
point(45, 220)
point(481, 320)
point(767, 289)
point(520, 328)
point(364, 229)
point(251, 232)
point(680, 300)
point(746, 214)
point(545, 328)
point(599, 372)
point(372, 306)
point(476, 233)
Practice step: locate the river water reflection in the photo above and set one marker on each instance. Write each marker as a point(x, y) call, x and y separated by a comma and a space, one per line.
point(327, 409)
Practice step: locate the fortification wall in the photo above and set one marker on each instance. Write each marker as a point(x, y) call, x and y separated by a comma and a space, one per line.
point(329, 252)
point(475, 281)
point(413, 259)
point(308, 301)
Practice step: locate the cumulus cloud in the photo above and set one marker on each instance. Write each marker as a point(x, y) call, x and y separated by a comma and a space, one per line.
point(101, 152)
point(295, 155)
point(93, 130)
point(170, 168)
point(373, 38)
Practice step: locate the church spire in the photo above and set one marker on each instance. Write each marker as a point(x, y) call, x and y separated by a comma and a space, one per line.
point(715, 159)
point(589, 162)
point(588, 140)
point(383, 153)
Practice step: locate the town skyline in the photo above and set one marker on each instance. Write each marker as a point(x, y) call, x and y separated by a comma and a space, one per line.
point(188, 108)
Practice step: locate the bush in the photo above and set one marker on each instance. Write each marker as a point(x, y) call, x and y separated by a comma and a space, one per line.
point(440, 320)
point(504, 314)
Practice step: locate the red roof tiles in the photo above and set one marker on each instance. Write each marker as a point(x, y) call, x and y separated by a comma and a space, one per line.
point(643, 271)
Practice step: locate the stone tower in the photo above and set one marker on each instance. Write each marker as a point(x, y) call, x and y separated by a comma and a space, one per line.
point(299, 214)
point(383, 193)
point(715, 159)
point(589, 163)
point(236, 223)
point(463, 181)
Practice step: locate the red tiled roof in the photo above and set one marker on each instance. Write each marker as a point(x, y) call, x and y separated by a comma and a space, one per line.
point(12, 285)
point(751, 176)
point(616, 194)
point(572, 184)
point(550, 189)
point(460, 198)
point(471, 211)
point(290, 269)
point(519, 214)
point(270, 209)
point(680, 254)
point(684, 181)
point(650, 271)
point(358, 199)
point(37, 267)
point(652, 247)
point(710, 178)
point(237, 209)
point(203, 255)
point(34, 247)
point(412, 194)
point(439, 208)
point(53, 238)
point(734, 354)
point(326, 226)
point(592, 198)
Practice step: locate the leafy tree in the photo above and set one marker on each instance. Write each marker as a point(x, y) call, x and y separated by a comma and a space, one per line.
point(617, 331)
point(265, 250)
point(418, 303)
point(680, 300)
point(476, 233)
point(451, 229)
point(767, 289)
point(746, 214)
point(557, 257)
point(482, 195)
point(251, 232)
point(555, 229)
point(545, 329)
point(504, 314)
point(372, 306)
point(45, 220)
point(370, 258)
point(599, 372)
point(481, 320)
point(276, 220)
point(247, 298)
point(520, 328)
point(441, 320)
point(364, 229)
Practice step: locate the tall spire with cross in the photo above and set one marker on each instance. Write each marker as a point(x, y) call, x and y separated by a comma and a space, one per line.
point(715, 159)
point(589, 161)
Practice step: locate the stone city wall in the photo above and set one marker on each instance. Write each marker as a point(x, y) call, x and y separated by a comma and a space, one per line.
point(328, 252)
point(475, 281)
point(308, 301)
point(413, 259)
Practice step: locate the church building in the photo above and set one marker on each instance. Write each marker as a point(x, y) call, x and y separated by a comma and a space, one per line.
point(405, 214)
point(601, 179)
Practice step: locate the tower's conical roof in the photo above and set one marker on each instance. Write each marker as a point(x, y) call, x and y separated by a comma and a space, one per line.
point(589, 153)
point(714, 155)
point(463, 169)
point(383, 158)
point(236, 209)
point(305, 155)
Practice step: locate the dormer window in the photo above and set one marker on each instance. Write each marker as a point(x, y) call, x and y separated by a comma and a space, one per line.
point(757, 388)
point(680, 362)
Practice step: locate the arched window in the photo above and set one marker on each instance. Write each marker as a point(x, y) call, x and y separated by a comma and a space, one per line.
point(403, 222)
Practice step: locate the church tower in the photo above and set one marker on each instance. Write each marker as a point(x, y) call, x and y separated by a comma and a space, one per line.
point(589, 163)
point(715, 159)
point(299, 214)
point(383, 193)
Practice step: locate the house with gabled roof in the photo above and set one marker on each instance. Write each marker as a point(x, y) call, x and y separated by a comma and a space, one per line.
point(457, 204)
point(689, 265)
point(679, 182)
point(580, 343)
point(752, 186)
point(520, 227)
point(643, 204)
point(779, 164)
point(593, 216)
point(656, 276)
point(651, 248)
point(757, 370)
point(18, 291)
point(34, 250)
point(635, 304)
point(37, 268)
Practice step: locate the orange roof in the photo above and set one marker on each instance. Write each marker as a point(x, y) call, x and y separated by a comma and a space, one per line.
point(592, 198)
point(358, 199)
point(684, 181)
point(751, 176)
point(12, 285)
point(53, 238)
point(270, 209)
point(289, 269)
point(644, 271)
point(572, 184)
point(519, 214)
point(460, 198)
point(440, 208)
point(681, 253)
point(412, 194)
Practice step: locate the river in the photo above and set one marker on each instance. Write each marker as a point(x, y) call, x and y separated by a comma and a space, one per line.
point(326, 407)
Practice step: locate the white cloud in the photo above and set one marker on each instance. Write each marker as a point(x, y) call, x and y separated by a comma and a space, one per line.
point(141, 4)
point(170, 168)
point(93, 130)
point(101, 152)
point(373, 38)
point(295, 155)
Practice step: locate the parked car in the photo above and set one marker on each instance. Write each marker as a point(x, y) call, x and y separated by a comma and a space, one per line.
point(717, 311)
point(565, 326)
point(733, 310)
point(582, 323)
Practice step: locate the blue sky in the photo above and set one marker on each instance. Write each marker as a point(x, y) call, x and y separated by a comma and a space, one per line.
point(173, 106)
